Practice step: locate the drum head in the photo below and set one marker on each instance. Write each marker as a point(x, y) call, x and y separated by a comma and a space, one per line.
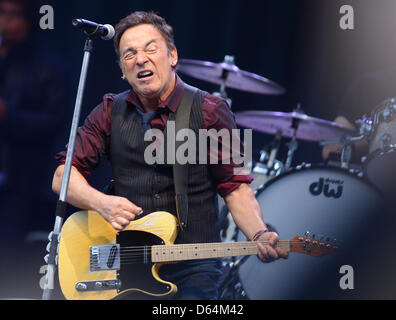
point(324, 201)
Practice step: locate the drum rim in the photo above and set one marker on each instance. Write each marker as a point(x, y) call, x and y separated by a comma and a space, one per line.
point(292, 170)
point(382, 105)
point(373, 155)
point(377, 153)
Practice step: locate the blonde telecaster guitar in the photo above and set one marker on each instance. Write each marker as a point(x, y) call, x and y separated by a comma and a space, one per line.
point(96, 262)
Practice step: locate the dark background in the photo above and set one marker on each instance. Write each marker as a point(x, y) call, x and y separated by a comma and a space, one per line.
point(298, 44)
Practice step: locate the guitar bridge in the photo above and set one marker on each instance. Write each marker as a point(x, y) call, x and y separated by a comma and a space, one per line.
point(105, 257)
point(98, 285)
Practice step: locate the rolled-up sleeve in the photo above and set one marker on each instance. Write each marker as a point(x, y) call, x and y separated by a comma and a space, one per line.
point(92, 140)
point(218, 116)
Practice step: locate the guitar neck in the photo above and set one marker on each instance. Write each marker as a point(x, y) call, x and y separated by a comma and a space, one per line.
point(180, 252)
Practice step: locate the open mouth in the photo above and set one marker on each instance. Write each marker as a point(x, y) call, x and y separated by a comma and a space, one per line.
point(144, 74)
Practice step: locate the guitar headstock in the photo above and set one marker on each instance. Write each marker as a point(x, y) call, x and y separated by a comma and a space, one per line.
point(313, 245)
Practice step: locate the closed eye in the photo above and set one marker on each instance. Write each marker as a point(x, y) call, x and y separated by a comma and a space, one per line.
point(151, 48)
point(129, 54)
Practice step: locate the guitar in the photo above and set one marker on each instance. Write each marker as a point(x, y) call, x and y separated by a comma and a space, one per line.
point(95, 262)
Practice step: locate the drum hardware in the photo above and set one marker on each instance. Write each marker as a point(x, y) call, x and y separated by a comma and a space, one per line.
point(346, 153)
point(365, 125)
point(229, 62)
point(267, 163)
point(230, 287)
point(274, 150)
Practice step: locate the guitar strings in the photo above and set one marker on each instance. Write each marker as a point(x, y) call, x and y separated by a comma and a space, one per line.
point(138, 252)
point(134, 249)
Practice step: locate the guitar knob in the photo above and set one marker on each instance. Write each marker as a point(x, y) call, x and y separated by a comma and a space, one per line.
point(81, 286)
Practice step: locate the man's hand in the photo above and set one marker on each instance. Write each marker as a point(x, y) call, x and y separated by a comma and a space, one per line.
point(118, 211)
point(270, 252)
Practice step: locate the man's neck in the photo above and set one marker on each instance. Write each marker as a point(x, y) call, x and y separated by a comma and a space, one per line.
point(151, 104)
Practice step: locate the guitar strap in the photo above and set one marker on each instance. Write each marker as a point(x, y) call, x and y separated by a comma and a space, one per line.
point(180, 171)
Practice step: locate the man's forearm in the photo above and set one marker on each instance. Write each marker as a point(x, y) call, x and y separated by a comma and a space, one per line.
point(79, 194)
point(245, 210)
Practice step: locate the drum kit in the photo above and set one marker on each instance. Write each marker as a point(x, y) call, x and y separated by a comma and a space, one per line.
point(339, 201)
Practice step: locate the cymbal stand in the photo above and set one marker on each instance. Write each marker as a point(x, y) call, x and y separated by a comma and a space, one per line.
point(224, 75)
point(230, 287)
point(274, 149)
point(293, 144)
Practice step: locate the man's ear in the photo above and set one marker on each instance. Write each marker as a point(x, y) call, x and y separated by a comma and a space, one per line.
point(174, 57)
point(122, 70)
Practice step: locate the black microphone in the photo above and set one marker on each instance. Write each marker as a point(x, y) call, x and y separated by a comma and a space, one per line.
point(93, 29)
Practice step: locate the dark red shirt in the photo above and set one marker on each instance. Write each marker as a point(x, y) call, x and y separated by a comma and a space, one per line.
point(93, 138)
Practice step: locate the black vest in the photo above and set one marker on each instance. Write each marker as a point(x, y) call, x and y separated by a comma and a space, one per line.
point(151, 186)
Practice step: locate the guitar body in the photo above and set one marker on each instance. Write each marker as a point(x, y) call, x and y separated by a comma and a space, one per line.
point(98, 263)
point(138, 276)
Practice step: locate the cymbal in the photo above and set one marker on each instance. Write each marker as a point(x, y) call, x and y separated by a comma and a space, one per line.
point(309, 128)
point(229, 75)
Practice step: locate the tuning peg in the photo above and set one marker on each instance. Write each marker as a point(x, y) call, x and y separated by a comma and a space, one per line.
point(48, 246)
point(307, 234)
point(46, 258)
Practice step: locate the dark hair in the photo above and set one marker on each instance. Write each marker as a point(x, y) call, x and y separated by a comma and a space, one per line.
point(143, 17)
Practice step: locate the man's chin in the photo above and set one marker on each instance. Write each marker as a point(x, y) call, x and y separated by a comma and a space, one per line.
point(147, 92)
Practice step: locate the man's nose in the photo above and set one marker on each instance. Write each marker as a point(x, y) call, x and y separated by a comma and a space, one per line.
point(141, 57)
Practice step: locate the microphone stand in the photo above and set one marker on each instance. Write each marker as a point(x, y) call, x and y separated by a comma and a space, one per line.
point(54, 237)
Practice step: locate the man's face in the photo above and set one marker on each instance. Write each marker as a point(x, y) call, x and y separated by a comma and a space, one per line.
point(146, 61)
point(14, 26)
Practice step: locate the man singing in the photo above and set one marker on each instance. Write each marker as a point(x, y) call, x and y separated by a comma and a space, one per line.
point(147, 55)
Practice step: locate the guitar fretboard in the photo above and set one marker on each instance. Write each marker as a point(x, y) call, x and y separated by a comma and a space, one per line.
point(179, 252)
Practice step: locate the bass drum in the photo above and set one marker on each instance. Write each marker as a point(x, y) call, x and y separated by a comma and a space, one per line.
point(324, 201)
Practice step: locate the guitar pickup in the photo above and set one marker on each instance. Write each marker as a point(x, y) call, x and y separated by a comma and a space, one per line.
point(105, 257)
point(99, 285)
